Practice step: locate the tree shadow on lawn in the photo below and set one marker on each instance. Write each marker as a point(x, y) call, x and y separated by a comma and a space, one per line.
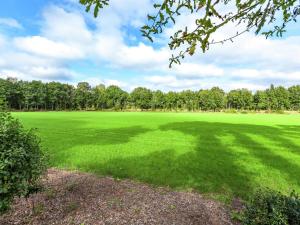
point(291, 131)
point(92, 136)
point(212, 166)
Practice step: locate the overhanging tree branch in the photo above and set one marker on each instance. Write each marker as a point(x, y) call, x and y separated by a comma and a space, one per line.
point(258, 15)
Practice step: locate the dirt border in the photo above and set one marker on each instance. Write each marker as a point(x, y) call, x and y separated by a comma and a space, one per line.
point(80, 198)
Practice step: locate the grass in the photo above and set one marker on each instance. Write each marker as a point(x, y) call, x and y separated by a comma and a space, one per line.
point(218, 154)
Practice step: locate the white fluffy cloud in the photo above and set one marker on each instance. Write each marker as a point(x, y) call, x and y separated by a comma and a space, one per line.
point(69, 37)
point(47, 48)
point(194, 70)
point(9, 22)
point(107, 82)
point(41, 73)
point(256, 51)
point(63, 40)
point(63, 26)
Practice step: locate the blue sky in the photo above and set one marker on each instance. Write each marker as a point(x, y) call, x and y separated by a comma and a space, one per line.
point(57, 40)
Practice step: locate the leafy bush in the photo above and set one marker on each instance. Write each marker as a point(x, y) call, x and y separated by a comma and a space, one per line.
point(273, 208)
point(279, 111)
point(21, 160)
point(244, 112)
point(230, 111)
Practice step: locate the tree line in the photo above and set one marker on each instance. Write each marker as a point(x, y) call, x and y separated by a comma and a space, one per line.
point(36, 95)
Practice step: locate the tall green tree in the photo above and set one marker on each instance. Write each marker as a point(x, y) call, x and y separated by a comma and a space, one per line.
point(53, 95)
point(14, 95)
point(171, 100)
point(158, 100)
point(189, 100)
point(294, 94)
point(82, 95)
point(100, 97)
point(278, 98)
point(203, 96)
point(67, 96)
point(240, 99)
point(141, 98)
point(116, 98)
point(3, 101)
point(216, 99)
point(213, 99)
point(260, 100)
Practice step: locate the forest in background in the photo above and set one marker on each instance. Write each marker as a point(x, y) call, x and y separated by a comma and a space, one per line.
point(36, 95)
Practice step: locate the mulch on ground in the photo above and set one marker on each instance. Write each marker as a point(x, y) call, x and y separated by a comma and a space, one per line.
point(79, 198)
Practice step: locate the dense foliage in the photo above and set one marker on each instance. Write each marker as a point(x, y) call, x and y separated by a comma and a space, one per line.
point(269, 207)
point(268, 17)
point(35, 95)
point(21, 160)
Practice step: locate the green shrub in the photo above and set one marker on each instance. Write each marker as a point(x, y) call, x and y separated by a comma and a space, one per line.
point(279, 111)
point(273, 208)
point(230, 111)
point(21, 160)
point(244, 112)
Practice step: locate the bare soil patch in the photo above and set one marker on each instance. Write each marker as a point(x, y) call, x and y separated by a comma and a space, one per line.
point(79, 198)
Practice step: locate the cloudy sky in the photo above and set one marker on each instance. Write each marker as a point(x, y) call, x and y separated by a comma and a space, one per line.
point(56, 40)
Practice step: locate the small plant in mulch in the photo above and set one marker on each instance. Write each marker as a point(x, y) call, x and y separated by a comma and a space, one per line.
point(172, 207)
point(115, 202)
point(71, 206)
point(38, 209)
point(236, 215)
point(49, 193)
point(237, 210)
point(71, 187)
point(137, 210)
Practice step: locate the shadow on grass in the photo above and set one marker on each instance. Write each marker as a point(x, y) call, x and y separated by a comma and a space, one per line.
point(91, 136)
point(212, 166)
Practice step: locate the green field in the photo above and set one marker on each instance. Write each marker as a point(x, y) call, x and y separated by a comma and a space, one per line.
point(221, 155)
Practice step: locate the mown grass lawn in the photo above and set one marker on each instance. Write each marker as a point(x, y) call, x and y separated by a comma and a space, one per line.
point(221, 155)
